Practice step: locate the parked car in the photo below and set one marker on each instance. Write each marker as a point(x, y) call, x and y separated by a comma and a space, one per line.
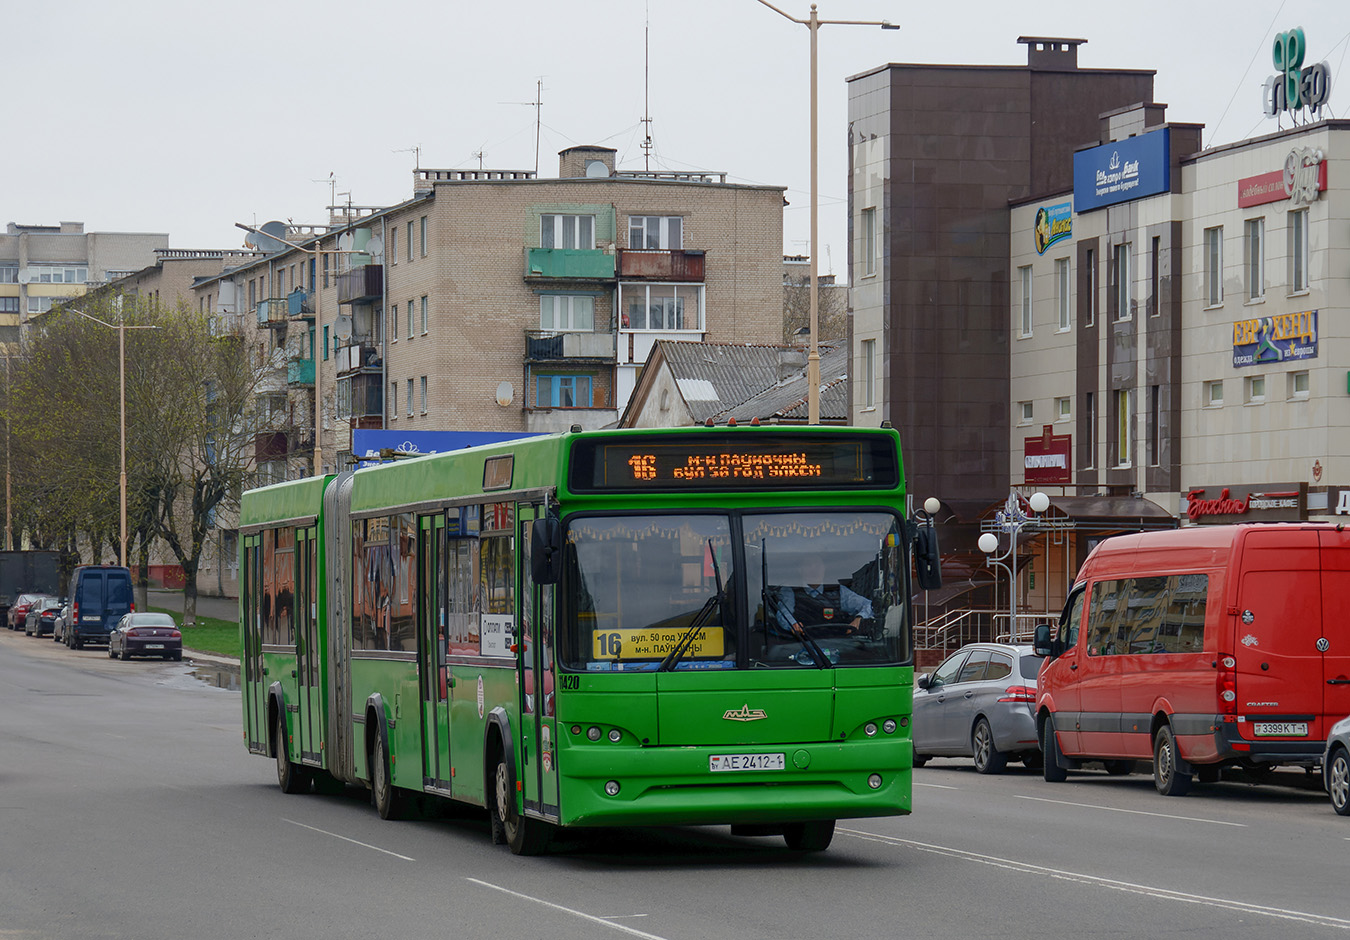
point(42, 616)
point(59, 625)
point(99, 596)
point(979, 703)
point(145, 634)
point(19, 610)
point(1336, 766)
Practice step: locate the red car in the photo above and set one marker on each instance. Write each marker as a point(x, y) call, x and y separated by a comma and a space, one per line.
point(18, 611)
point(145, 634)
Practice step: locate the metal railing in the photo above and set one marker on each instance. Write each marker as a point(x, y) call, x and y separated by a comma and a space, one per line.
point(955, 628)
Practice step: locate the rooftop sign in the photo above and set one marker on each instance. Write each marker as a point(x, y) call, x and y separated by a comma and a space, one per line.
point(1123, 170)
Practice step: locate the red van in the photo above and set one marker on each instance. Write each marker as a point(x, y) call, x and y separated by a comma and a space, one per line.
point(1199, 648)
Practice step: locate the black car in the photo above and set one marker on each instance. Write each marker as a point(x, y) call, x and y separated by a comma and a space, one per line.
point(41, 619)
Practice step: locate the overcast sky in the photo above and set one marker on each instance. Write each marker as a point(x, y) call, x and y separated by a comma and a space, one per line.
point(185, 117)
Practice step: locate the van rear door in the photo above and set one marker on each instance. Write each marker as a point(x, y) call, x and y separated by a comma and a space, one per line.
point(1278, 625)
point(1335, 624)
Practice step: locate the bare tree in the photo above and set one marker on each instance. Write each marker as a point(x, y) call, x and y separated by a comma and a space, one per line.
point(831, 313)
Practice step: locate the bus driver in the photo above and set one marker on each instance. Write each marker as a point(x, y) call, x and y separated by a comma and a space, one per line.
point(814, 601)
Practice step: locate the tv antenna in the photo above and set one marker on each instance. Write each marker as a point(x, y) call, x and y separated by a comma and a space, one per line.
point(332, 186)
point(538, 105)
point(416, 151)
point(479, 155)
point(646, 89)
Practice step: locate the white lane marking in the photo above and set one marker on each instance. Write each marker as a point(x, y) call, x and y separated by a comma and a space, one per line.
point(364, 845)
point(1135, 812)
point(567, 910)
point(1166, 894)
point(936, 786)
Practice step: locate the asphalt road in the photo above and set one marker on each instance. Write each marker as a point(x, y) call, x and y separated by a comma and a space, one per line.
point(129, 808)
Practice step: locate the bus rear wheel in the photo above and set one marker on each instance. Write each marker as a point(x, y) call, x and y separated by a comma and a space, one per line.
point(524, 835)
point(290, 778)
point(809, 836)
point(388, 799)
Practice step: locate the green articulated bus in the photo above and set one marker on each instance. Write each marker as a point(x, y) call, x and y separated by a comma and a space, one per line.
point(684, 626)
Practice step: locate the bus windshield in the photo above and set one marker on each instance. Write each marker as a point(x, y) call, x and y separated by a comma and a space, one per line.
point(709, 591)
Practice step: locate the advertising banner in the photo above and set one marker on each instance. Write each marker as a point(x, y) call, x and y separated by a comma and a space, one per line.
point(1120, 171)
point(1046, 459)
point(1270, 502)
point(1053, 224)
point(1288, 337)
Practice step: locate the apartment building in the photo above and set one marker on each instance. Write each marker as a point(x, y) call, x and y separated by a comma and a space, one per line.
point(45, 264)
point(494, 300)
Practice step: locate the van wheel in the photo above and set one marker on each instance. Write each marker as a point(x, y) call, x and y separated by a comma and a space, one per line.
point(1338, 781)
point(1167, 778)
point(1119, 768)
point(1050, 768)
point(988, 759)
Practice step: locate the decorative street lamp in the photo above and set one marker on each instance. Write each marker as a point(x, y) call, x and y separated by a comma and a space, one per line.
point(814, 23)
point(1012, 519)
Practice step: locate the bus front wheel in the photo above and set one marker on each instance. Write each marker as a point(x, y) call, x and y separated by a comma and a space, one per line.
point(389, 801)
point(524, 835)
point(290, 778)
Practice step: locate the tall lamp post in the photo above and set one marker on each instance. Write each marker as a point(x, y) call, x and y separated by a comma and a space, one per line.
point(121, 327)
point(813, 23)
point(1012, 520)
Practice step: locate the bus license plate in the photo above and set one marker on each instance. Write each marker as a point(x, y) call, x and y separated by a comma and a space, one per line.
point(746, 762)
point(1282, 728)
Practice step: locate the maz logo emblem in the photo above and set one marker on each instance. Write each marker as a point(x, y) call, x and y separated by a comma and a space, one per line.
point(745, 713)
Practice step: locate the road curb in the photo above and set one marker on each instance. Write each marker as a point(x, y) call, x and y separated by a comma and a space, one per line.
point(213, 659)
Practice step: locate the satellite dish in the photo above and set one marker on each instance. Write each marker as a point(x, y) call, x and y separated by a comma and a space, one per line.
point(345, 241)
point(342, 326)
point(596, 169)
point(268, 237)
point(376, 247)
point(505, 393)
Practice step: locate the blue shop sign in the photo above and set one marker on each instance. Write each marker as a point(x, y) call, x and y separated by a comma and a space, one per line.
point(1287, 337)
point(1120, 171)
point(367, 444)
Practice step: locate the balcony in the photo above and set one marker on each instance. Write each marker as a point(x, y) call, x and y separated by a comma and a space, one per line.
point(300, 372)
point(300, 304)
point(358, 357)
point(640, 264)
point(556, 346)
point(360, 399)
point(273, 311)
point(227, 325)
point(270, 445)
point(568, 264)
point(361, 285)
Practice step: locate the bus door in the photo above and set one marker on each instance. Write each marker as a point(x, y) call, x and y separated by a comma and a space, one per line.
point(310, 697)
point(255, 690)
point(433, 641)
point(539, 772)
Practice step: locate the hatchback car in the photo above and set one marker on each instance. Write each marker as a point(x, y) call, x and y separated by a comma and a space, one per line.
point(41, 619)
point(18, 611)
point(145, 634)
point(979, 703)
point(1336, 766)
point(59, 624)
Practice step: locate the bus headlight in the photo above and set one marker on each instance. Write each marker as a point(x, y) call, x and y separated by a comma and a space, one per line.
point(870, 729)
point(612, 788)
point(888, 726)
point(874, 781)
point(615, 734)
point(593, 733)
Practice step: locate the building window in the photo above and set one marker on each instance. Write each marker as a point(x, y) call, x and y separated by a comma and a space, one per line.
point(410, 248)
point(869, 224)
point(1090, 284)
point(1213, 267)
point(869, 351)
point(1064, 287)
point(325, 344)
point(661, 306)
point(393, 401)
point(313, 263)
point(1154, 422)
point(393, 244)
point(1155, 274)
point(393, 323)
point(575, 312)
point(1213, 394)
point(410, 398)
point(9, 305)
point(1090, 429)
point(1254, 390)
point(1298, 251)
point(422, 394)
point(656, 231)
point(1254, 259)
point(1124, 282)
point(9, 274)
point(1298, 386)
point(1124, 426)
point(410, 327)
point(1025, 412)
point(39, 304)
point(424, 314)
point(1024, 307)
point(567, 231)
point(1063, 409)
point(562, 391)
point(377, 327)
point(422, 234)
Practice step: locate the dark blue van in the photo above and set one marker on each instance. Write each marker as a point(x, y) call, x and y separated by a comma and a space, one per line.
point(99, 597)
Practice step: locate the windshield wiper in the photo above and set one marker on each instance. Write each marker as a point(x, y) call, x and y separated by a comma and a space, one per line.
point(700, 620)
point(771, 605)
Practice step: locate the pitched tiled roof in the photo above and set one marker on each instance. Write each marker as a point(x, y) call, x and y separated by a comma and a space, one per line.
point(786, 399)
point(715, 376)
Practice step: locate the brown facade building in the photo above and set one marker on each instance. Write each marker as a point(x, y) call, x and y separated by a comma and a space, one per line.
point(937, 153)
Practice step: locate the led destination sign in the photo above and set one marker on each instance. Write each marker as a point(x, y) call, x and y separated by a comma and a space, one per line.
point(736, 461)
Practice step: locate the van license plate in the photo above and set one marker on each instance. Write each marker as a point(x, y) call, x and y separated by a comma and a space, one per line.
point(746, 762)
point(1281, 728)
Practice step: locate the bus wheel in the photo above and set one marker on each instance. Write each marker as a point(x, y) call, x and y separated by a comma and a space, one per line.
point(526, 836)
point(389, 802)
point(1167, 778)
point(809, 836)
point(290, 778)
point(1050, 768)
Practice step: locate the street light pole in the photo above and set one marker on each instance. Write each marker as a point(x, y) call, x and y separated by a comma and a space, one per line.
point(1013, 520)
point(813, 23)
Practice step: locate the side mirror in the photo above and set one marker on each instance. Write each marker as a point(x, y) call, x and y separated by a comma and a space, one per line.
point(927, 561)
point(546, 550)
point(1041, 643)
point(923, 681)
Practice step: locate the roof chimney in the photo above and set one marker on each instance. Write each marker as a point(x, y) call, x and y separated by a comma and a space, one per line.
point(1051, 54)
